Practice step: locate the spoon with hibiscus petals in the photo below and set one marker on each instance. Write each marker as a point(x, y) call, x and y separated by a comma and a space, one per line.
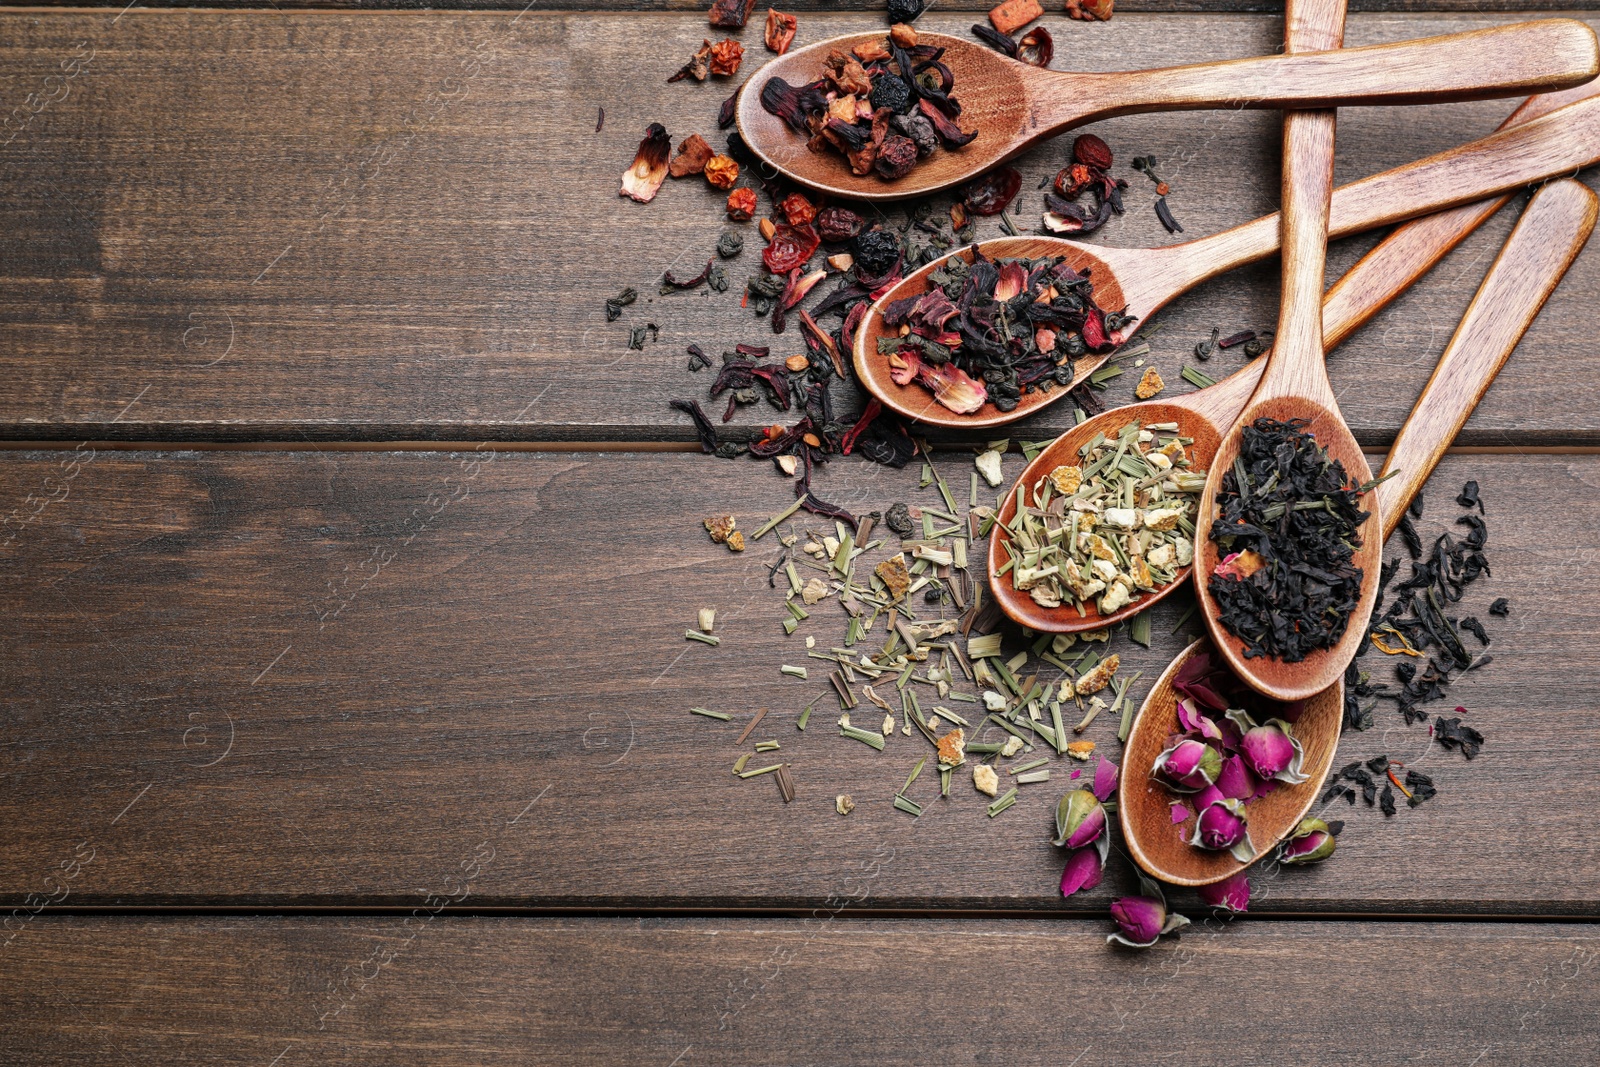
point(1139, 281)
point(1545, 241)
point(1010, 106)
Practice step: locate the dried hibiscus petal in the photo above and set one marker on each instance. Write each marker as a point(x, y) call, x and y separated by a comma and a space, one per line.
point(780, 31)
point(691, 158)
point(993, 192)
point(995, 39)
point(951, 134)
point(797, 209)
point(742, 204)
point(731, 14)
point(725, 57)
point(1036, 48)
point(838, 224)
point(722, 171)
point(790, 248)
point(950, 385)
point(643, 179)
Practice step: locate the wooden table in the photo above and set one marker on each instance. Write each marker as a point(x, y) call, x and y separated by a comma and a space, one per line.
point(347, 550)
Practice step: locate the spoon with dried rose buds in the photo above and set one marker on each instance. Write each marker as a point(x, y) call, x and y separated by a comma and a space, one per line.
point(1128, 285)
point(1544, 243)
point(1006, 106)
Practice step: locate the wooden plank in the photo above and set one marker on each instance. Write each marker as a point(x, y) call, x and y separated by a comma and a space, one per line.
point(337, 225)
point(968, 8)
point(816, 990)
point(303, 679)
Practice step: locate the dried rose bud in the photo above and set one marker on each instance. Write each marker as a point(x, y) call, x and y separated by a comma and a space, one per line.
point(836, 224)
point(1232, 893)
point(726, 56)
point(722, 171)
point(1223, 826)
point(691, 157)
point(1080, 819)
point(1188, 766)
point(797, 209)
point(780, 31)
point(643, 179)
point(742, 204)
point(1311, 841)
point(1142, 920)
point(1272, 751)
point(903, 35)
point(1091, 151)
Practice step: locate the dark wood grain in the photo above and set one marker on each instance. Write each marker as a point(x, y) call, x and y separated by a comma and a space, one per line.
point(968, 8)
point(818, 990)
point(415, 211)
point(320, 679)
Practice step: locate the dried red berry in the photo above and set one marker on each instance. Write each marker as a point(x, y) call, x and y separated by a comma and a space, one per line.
point(838, 223)
point(742, 204)
point(725, 57)
point(722, 171)
point(1091, 151)
point(1072, 181)
point(991, 193)
point(897, 155)
point(797, 209)
point(731, 14)
point(790, 248)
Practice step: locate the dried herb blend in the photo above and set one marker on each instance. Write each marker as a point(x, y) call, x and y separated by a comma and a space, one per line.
point(992, 330)
point(883, 106)
point(1286, 534)
point(1115, 525)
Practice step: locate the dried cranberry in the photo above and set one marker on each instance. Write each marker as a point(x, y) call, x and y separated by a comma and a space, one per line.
point(896, 156)
point(797, 209)
point(838, 223)
point(991, 193)
point(877, 251)
point(790, 248)
point(1091, 151)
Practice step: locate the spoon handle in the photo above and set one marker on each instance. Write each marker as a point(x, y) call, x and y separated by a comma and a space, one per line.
point(1548, 237)
point(1296, 365)
point(1508, 60)
point(1564, 141)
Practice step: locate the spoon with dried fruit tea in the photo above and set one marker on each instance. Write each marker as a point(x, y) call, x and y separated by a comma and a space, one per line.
point(1307, 566)
point(1135, 282)
point(1541, 247)
point(1010, 106)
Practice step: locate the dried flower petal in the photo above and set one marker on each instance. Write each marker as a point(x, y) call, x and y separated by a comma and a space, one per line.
point(698, 67)
point(1036, 48)
point(780, 31)
point(726, 56)
point(742, 204)
point(1231, 894)
point(643, 179)
point(1083, 870)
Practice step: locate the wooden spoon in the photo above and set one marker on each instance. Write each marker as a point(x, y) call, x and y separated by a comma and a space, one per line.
point(1014, 106)
point(1294, 387)
point(1541, 247)
point(1142, 280)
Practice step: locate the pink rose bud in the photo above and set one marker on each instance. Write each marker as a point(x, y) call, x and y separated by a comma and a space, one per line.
point(1189, 765)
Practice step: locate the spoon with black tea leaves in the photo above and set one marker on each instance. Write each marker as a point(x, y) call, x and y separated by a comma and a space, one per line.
point(1545, 241)
point(1142, 280)
point(1013, 106)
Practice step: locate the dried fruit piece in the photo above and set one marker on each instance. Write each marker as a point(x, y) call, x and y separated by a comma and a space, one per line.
point(790, 248)
point(643, 179)
point(722, 171)
point(1067, 478)
point(731, 14)
point(698, 67)
point(691, 158)
point(1037, 48)
point(726, 56)
point(780, 31)
point(1089, 10)
point(1091, 151)
point(796, 364)
point(797, 209)
point(993, 192)
point(1081, 750)
point(844, 804)
point(1149, 385)
point(896, 156)
point(903, 35)
point(895, 575)
point(721, 529)
point(742, 204)
point(814, 590)
point(984, 780)
point(1012, 15)
point(838, 224)
point(953, 747)
point(1098, 678)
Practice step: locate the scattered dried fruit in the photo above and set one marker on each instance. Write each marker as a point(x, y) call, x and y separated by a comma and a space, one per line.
point(1012, 15)
point(742, 204)
point(726, 56)
point(1149, 385)
point(643, 179)
point(780, 31)
point(731, 14)
point(722, 171)
point(843, 804)
point(984, 780)
point(691, 158)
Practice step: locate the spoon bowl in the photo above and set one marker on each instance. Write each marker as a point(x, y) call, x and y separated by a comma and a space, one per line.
point(1014, 106)
point(1139, 281)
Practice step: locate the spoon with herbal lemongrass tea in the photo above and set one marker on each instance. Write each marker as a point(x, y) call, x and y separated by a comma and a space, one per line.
point(1286, 559)
point(824, 115)
point(1093, 283)
point(1541, 247)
